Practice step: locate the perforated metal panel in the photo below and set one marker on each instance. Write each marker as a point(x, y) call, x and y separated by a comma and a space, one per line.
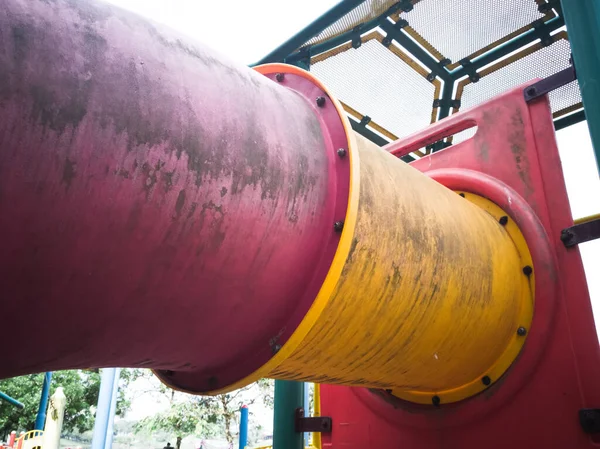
point(376, 82)
point(396, 86)
point(459, 29)
point(541, 63)
point(369, 10)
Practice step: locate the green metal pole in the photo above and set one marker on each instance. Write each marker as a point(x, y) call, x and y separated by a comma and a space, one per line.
point(583, 26)
point(288, 397)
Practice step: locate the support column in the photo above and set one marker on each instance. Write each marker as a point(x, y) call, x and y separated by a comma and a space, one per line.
point(243, 426)
point(583, 25)
point(103, 409)
point(41, 414)
point(289, 396)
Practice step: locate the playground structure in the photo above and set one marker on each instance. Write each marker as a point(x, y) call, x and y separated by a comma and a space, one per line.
point(47, 435)
point(158, 190)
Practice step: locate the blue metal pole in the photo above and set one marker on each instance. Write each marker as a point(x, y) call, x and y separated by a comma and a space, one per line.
point(103, 409)
point(243, 427)
point(10, 400)
point(113, 411)
point(40, 419)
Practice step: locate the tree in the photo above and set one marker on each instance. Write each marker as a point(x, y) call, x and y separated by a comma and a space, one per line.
point(81, 388)
point(207, 416)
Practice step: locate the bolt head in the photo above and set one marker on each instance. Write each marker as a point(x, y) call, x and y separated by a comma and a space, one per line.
point(503, 220)
point(320, 101)
point(341, 152)
point(435, 400)
point(338, 226)
point(521, 331)
point(527, 270)
point(486, 380)
point(566, 235)
point(279, 77)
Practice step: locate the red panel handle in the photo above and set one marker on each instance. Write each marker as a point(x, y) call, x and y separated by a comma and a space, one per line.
point(433, 133)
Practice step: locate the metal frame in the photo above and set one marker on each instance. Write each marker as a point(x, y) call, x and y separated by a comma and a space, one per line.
point(450, 75)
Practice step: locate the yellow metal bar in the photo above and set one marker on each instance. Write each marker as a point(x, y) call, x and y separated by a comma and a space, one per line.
point(586, 219)
point(316, 436)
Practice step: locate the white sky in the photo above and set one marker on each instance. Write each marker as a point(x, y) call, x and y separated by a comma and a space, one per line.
point(246, 30)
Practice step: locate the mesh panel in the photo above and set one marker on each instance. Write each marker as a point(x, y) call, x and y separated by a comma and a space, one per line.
point(375, 82)
point(540, 64)
point(458, 29)
point(371, 9)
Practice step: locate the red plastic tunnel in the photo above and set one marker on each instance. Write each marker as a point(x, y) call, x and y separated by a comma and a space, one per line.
point(159, 206)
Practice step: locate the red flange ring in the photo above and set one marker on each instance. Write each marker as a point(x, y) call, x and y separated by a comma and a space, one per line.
point(522, 370)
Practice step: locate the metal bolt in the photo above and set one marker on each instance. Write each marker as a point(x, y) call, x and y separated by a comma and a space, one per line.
point(341, 152)
point(338, 226)
point(461, 194)
point(320, 101)
point(430, 77)
point(566, 235)
point(276, 349)
point(486, 380)
point(531, 91)
point(435, 401)
point(279, 77)
point(521, 331)
point(386, 42)
point(503, 220)
point(527, 270)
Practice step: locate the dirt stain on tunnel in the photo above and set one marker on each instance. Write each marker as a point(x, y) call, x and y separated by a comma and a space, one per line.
point(69, 172)
point(180, 202)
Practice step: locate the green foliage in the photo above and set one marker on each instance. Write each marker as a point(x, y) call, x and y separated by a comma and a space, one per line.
point(208, 416)
point(81, 389)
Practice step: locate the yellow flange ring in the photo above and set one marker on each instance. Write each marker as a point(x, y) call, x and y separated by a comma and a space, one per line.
point(525, 317)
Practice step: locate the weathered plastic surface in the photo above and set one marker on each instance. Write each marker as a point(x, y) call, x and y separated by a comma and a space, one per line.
point(160, 207)
point(513, 161)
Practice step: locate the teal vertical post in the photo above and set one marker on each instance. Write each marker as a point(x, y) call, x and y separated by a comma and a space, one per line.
point(288, 397)
point(582, 18)
point(243, 426)
point(40, 419)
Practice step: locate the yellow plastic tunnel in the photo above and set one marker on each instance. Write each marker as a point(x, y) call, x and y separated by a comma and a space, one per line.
point(426, 293)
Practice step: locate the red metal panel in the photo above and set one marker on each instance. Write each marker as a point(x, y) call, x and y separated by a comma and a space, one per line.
point(513, 160)
point(159, 206)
